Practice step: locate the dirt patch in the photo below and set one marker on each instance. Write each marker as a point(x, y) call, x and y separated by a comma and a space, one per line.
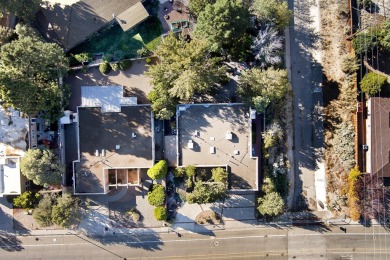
point(208, 217)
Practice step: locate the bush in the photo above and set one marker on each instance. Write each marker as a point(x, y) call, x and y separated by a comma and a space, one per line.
point(83, 57)
point(143, 52)
point(179, 172)
point(190, 171)
point(63, 211)
point(372, 83)
point(160, 213)
point(105, 68)
point(350, 64)
point(206, 193)
point(115, 66)
point(273, 135)
point(343, 144)
point(42, 214)
point(353, 199)
point(219, 174)
point(26, 200)
point(271, 204)
point(148, 60)
point(125, 64)
point(156, 196)
point(365, 41)
point(158, 171)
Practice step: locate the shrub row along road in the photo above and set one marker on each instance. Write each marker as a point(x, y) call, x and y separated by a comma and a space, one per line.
point(274, 243)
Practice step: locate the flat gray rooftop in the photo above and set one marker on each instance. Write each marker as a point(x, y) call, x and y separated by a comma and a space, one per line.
point(109, 131)
point(207, 127)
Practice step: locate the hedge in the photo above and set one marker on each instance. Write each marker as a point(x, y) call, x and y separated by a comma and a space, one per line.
point(105, 68)
point(159, 170)
point(156, 196)
point(160, 213)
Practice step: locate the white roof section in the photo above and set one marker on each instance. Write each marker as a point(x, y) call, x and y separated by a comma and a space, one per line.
point(10, 176)
point(109, 98)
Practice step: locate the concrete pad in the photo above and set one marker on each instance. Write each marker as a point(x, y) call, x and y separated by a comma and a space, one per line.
point(238, 213)
point(235, 200)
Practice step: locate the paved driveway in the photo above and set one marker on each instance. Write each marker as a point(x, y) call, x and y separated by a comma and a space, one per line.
point(306, 77)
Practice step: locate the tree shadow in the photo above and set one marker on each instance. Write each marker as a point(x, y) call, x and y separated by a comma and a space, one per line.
point(8, 241)
point(308, 220)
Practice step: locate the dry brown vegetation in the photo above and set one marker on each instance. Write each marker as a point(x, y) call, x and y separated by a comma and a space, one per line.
point(339, 102)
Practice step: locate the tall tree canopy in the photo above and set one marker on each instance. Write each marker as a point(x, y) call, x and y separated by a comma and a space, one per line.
point(185, 70)
point(29, 69)
point(24, 9)
point(261, 87)
point(197, 6)
point(274, 12)
point(42, 167)
point(224, 25)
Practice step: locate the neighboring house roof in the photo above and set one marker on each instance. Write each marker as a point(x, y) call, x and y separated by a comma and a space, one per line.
point(73, 24)
point(132, 16)
point(109, 98)
point(380, 135)
point(10, 178)
point(218, 135)
point(13, 129)
point(111, 143)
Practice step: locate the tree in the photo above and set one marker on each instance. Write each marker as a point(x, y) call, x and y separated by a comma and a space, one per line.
point(350, 64)
point(267, 47)
point(273, 135)
point(372, 83)
point(5, 35)
point(259, 87)
point(190, 171)
point(65, 208)
point(224, 25)
point(42, 214)
point(197, 6)
point(184, 71)
point(29, 69)
point(206, 193)
point(273, 12)
point(156, 196)
point(271, 205)
point(365, 42)
point(43, 167)
point(24, 9)
point(219, 174)
point(160, 213)
point(385, 32)
point(158, 171)
point(26, 200)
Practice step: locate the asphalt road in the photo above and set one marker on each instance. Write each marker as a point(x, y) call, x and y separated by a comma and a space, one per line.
point(259, 243)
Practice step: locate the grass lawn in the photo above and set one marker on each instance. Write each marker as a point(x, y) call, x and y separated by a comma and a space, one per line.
point(146, 34)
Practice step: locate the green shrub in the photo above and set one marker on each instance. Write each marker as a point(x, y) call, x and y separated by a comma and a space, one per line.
point(219, 174)
point(365, 41)
point(190, 170)
point(83, 57)
point(115, 66)
point(372, 83)
point(156, 196)
point(63, 211)
point(26, 200)
point(125, 64)
point(158, 171)
point(160, 213)
point(272, 204)
point(148, 60)
point(42, 214)
point(179, 172)
point(143, 52)
point(105, 68)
